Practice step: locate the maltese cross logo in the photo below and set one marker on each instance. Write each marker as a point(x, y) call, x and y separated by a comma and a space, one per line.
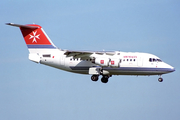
point(34, 36)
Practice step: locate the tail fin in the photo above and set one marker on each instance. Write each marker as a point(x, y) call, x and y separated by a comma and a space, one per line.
point(34, 36)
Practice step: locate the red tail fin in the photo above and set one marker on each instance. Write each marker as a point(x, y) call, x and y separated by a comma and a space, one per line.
point(34, 36)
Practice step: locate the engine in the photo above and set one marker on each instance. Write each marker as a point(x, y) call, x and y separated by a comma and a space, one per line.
point(114, 63)
point(107, 62)
point(102, 61)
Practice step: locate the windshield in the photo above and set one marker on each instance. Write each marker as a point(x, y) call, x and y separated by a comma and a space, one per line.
point(154, 60)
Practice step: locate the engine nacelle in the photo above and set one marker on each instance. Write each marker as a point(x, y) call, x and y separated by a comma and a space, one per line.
point(102, 61)
point(114, 63)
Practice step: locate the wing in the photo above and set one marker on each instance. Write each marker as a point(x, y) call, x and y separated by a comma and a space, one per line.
point(78, 54)
point(86, 54)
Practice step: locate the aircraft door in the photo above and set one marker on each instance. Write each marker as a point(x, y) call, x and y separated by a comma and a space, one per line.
point(62, 60)
point(140, 61)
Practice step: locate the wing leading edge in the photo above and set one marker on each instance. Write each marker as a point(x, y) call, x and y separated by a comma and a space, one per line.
point(86, 54)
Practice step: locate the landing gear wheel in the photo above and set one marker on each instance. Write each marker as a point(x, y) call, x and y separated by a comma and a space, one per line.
point(94, 77)
point(104, 79)
point(160, 79)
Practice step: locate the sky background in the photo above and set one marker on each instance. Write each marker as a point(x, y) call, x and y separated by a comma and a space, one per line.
point(30, 91)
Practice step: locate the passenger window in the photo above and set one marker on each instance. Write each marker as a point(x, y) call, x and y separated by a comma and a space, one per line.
point(127, 59)
point(130, 59)
point(134, 59)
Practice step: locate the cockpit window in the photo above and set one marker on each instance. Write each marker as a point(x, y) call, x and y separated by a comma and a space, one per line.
point(150, 59)
point(159, 60)
point(154, 60)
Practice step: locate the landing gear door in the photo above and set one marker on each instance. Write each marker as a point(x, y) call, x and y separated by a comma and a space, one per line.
point(94, 71)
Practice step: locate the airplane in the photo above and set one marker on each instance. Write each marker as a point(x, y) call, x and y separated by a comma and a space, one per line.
point(95, 63)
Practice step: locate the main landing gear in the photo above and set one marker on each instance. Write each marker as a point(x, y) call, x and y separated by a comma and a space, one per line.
point(104, 78)
point(94, 77)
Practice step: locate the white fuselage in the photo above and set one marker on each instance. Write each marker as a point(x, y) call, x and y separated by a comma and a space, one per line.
point(130, 63)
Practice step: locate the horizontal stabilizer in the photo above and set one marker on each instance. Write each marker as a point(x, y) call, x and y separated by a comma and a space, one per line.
point(22, 26)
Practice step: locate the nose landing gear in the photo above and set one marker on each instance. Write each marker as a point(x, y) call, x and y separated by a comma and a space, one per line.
point(160, 79)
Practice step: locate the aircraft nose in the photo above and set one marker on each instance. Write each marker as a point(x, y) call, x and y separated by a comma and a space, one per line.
point(171, 69)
